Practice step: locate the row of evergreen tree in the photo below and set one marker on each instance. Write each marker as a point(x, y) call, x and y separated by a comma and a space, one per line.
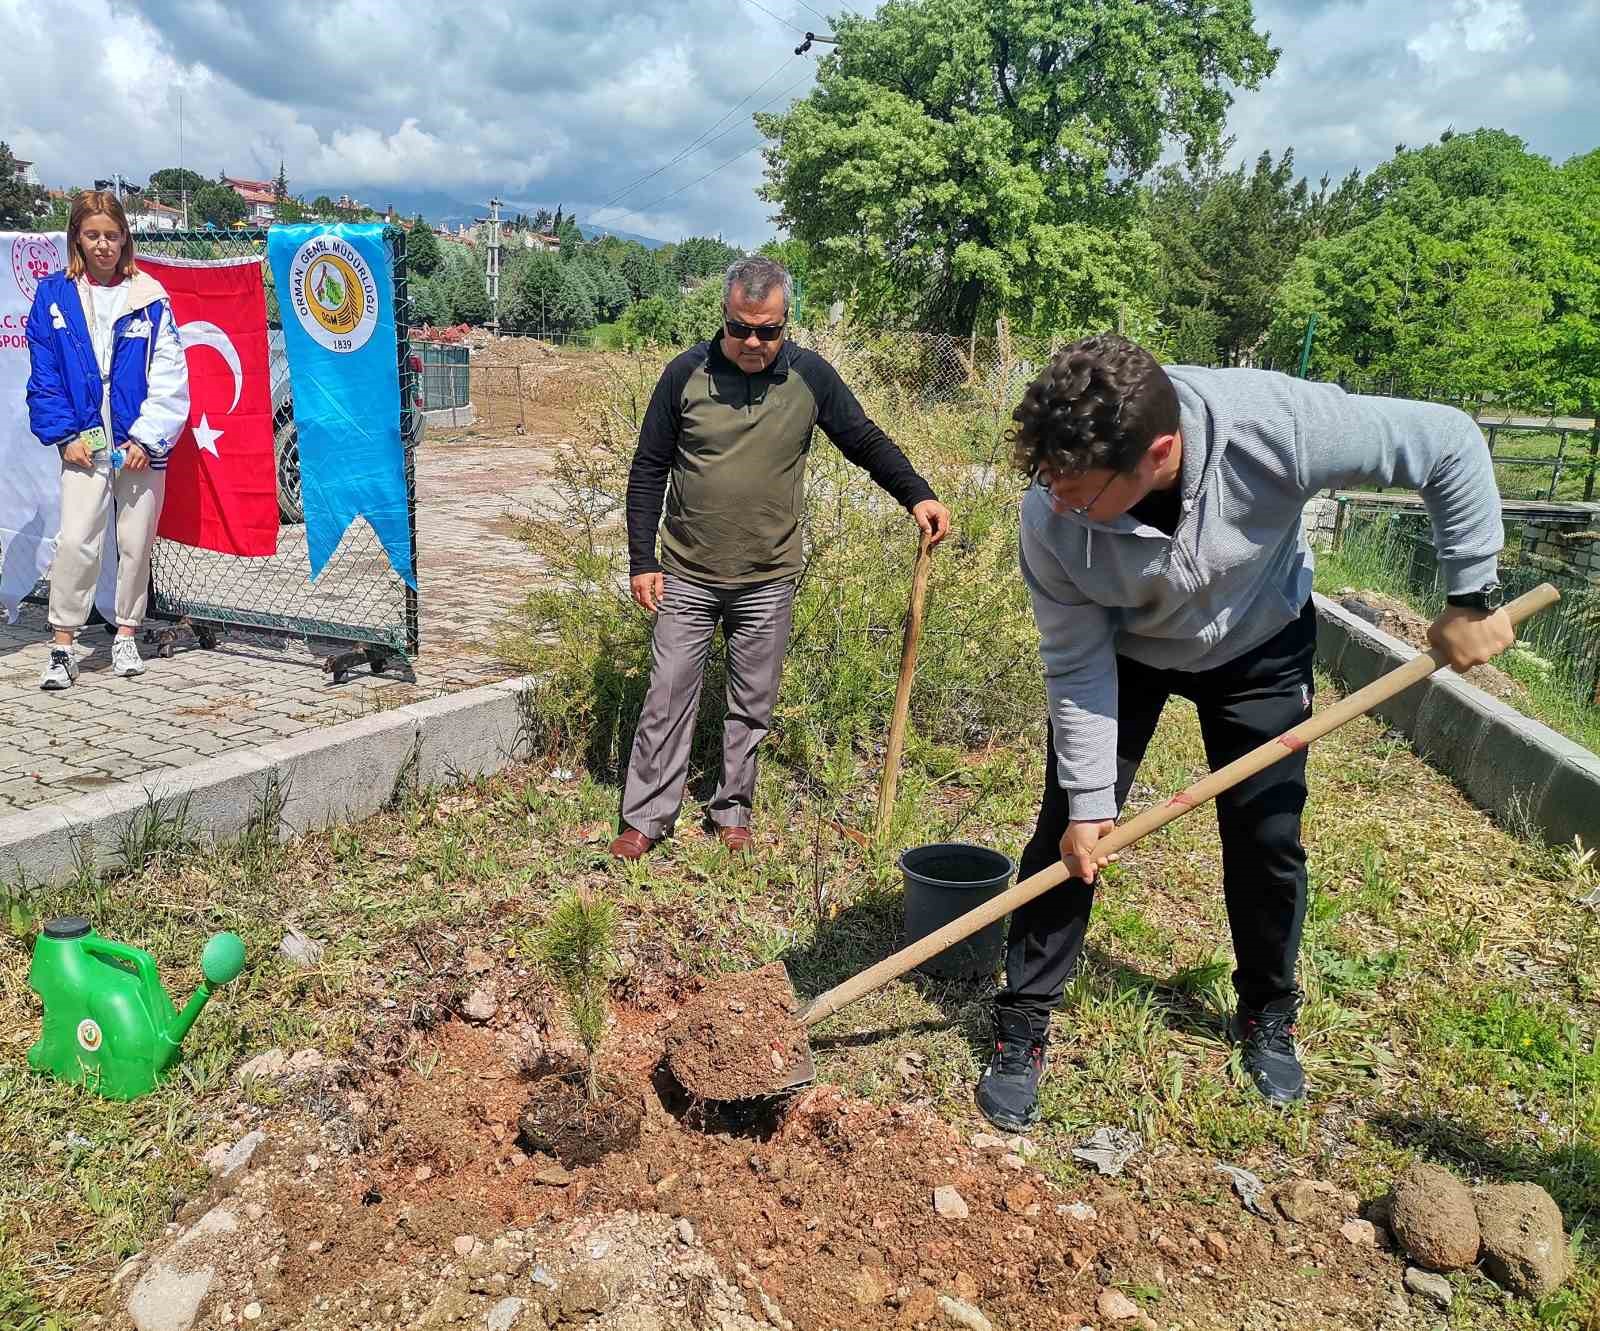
point(552, 293)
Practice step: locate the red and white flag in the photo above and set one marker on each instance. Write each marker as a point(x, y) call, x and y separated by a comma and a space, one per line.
point(222, 485)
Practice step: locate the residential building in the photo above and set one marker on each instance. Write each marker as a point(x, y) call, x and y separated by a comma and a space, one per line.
point(146, 214)
point(260, 196)
point(29, 175)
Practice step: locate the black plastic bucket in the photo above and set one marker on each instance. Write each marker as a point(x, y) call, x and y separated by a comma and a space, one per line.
point(944, 881)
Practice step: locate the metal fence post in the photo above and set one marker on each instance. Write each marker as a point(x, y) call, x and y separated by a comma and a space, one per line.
point(408, 407)
point(1594, 451)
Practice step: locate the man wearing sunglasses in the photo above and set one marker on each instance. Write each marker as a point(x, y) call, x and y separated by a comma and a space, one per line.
point(1162, 547)
point(724, 442)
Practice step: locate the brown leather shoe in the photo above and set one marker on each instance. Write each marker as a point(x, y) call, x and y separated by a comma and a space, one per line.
point(737, 840)
point(631, 845)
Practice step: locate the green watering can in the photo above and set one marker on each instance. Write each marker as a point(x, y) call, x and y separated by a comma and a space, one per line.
point(108, 1023)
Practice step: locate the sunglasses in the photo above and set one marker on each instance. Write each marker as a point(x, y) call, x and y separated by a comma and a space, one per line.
point(763, 332)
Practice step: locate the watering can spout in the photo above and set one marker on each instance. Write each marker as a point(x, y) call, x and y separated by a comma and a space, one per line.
point(221, 962)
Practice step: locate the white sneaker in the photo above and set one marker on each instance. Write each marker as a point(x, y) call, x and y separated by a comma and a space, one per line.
point(61, 671)
point(125, 658)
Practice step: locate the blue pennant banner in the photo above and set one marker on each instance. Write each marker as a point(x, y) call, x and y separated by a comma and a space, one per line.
point(336, 295)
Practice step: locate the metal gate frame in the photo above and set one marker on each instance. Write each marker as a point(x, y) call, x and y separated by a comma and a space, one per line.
point(207, 617)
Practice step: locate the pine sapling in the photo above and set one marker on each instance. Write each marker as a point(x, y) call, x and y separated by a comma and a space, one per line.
point(577, 947)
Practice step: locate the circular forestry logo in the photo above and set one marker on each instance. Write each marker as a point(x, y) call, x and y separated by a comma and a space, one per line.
point(89, 1035)
point(31, 258)
point(333, 293)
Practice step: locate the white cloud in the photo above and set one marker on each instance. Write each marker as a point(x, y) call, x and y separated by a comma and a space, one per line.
point(1358, 77)
point(1478, 27)
point(571, 104)
point(1537, 89)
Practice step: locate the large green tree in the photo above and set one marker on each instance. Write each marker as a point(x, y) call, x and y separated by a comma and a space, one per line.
point(422, 249)
point(465, 288)
point(551, 297)
point(696, 257)
point(960, 157)
point(1475, 269)
point(570, 237)
point(642, 272)
point(21, 205)
point(218, 205)
point(673, 320)
point(171, 182)
point(1225, 239)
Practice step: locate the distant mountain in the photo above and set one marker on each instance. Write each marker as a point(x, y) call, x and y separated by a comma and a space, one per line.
point(649, 242)
point(445, 210)
point(440, 209)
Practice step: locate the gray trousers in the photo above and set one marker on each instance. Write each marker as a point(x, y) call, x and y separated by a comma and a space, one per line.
point(755, 622)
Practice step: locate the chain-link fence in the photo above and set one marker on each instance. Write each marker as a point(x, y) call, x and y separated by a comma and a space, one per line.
point(500, 398)
point(1393, 550)
point(445, 376)
point(357, 598)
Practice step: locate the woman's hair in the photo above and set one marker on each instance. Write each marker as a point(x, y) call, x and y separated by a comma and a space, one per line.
point(85, 206)
point(1100, 402)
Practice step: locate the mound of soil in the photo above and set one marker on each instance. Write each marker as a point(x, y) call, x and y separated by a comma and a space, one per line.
point(562, 1121)
point(824, 1212)
point(1394, 617)
point(738, 1037)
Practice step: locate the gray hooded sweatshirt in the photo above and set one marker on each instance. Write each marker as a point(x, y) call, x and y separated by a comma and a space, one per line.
point(1256, 446)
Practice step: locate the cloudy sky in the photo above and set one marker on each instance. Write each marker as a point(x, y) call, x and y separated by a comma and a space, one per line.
point(579, 103)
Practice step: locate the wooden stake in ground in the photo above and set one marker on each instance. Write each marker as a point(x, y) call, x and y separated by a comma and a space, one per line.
point(902, 693)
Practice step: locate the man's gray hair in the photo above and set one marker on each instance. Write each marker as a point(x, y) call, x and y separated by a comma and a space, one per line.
point(757, 277)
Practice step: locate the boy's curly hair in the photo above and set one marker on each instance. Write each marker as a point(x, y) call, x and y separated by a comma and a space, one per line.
point(1100, 402)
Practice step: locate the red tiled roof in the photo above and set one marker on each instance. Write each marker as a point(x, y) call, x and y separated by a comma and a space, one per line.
point(253, 191)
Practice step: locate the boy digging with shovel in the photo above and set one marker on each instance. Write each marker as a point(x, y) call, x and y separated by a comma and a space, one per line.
point(1162, 547)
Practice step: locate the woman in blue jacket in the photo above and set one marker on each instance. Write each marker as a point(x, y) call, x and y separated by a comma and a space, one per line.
point(109, 390)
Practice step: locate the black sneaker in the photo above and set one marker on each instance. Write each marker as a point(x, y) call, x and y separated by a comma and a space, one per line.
point(1008, 1090)
point(1267, 1050)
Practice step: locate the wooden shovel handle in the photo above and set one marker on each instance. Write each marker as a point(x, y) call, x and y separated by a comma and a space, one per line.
point(902, 693)
point(1202, 792)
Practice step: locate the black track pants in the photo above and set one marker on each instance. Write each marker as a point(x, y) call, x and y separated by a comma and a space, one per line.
point(1241, 704)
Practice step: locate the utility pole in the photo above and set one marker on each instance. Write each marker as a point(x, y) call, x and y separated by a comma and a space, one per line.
point(183, 192)
point(492, 271)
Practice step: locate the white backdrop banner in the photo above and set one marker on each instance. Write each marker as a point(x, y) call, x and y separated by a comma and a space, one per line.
point(30, 474)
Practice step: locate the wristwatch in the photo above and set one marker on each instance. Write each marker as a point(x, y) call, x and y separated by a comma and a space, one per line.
point(1491, 597)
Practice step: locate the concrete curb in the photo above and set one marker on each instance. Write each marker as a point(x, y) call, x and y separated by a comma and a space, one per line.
point(335, 774)
point(1518, 769)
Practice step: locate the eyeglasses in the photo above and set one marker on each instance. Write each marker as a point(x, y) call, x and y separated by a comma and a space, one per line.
point(1042, 479)
point(763, 332)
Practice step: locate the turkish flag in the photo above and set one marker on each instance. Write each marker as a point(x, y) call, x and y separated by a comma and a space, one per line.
point(222, 481)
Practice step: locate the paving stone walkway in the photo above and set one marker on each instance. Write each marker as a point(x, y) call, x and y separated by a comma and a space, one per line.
point(253, 688)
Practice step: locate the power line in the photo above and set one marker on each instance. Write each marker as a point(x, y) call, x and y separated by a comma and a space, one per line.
point(658, 202)
point(775, 98)
point(700, 140)
point(822, 16)
point(786, 22)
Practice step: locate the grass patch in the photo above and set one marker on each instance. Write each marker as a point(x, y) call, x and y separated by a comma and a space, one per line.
point(1557, 658)
point(1518, 478)
point(1436, 942)
point(1413, 1041)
